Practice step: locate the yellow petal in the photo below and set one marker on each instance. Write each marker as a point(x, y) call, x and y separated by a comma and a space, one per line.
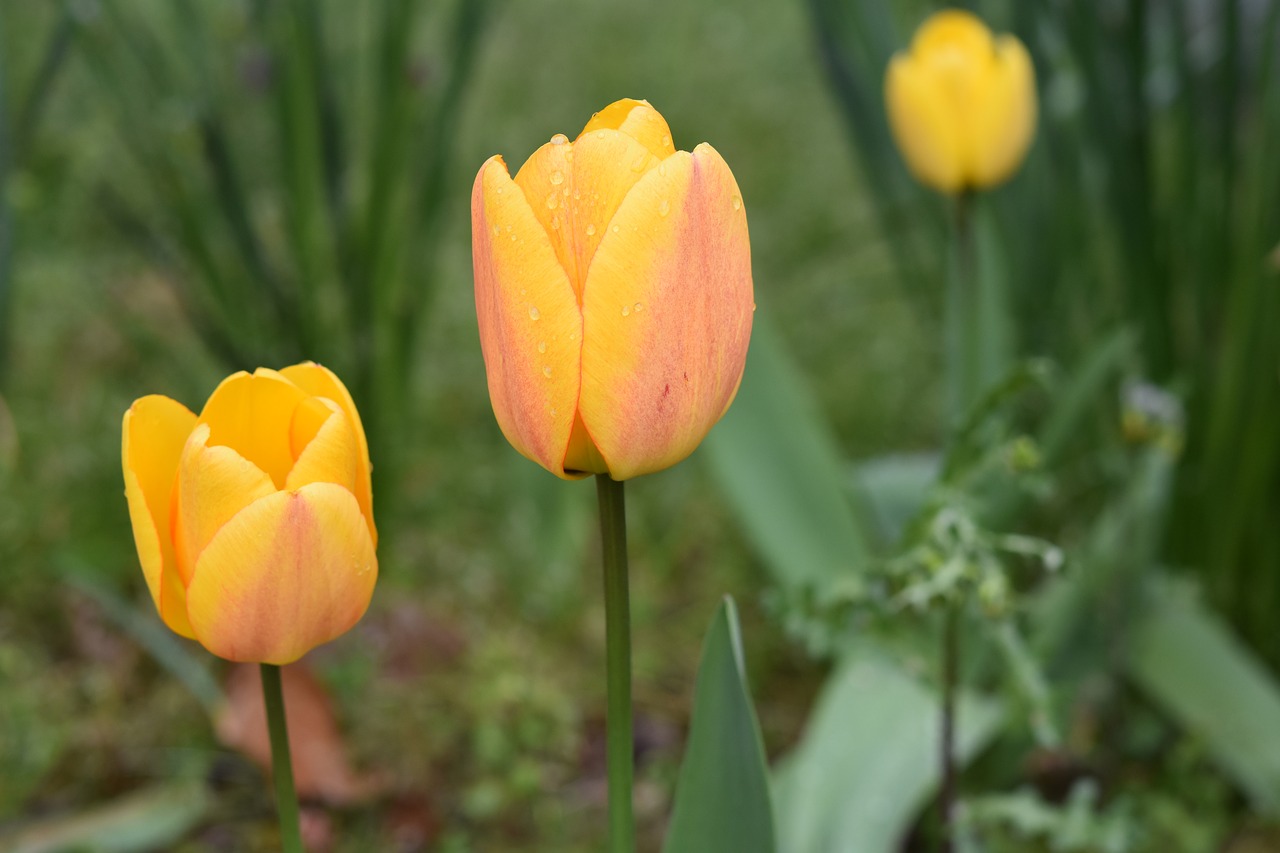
point(952, 30)
point(154, 431)
point(332, 456)
point(925, 124)
point(638, 120)
point(214, 484)
point(1003, 121)
point(318, 381)
point(252, 415)
point(530, 323)
point(666, 315)
point(574, 189)
point(290, 572)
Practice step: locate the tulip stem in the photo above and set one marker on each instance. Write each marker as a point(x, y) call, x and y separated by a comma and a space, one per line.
point(281, 764)
point(950, 675)
point(617, 619)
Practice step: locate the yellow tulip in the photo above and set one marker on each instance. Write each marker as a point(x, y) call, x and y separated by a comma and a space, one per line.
point(613, 294)
point(254, 521)
point(962, 103)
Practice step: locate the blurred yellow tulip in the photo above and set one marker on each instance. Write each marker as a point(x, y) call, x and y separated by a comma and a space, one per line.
point(962, 103)
point(613, 294)
point(254, 521)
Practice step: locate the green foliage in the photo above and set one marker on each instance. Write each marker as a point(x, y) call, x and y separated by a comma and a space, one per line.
point(723, 804)
point(287, 170)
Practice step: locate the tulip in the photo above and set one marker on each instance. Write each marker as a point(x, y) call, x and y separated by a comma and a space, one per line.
point(962, 103)
point(613, 294)
point(254, 521)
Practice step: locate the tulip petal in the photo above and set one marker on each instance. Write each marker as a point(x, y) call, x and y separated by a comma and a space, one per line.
point(291, 571)
point(251, 414)
point(330, 457)
point(925, 124)
point(638, 120)
point(666, 315)
point(318, 381)
point(530, 323)
point(214, 484)
point(575, 189)
point(1002, 122)
point(154, 431)
point(953, 29)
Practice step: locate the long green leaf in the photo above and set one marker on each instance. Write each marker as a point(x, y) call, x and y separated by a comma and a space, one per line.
point(1191, 664)
point(151, 819)
point(869, 760)
point(780, 470)
point(722, 797)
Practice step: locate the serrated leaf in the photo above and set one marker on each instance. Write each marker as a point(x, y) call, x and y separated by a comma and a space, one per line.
point(722, 798)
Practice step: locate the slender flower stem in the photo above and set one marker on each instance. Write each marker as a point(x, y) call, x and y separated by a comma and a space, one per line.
point(950, 676)
point(963, 317)
point(617, 616)
point(281, 765)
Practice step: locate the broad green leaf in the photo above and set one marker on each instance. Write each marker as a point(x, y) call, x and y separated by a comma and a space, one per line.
point(150, 819)
point(896, 487)
point(868, 761)
point(1189, 662)
point(722, 797)
point(780, 470)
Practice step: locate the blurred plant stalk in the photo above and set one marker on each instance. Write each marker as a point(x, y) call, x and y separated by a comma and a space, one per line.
point(288, 170)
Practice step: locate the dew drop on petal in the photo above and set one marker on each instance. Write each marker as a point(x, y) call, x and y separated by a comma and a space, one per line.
point(533, 312)
point(497, 229)
point(737, 203)
point(664, 207)
point(557, 177)
point(591, 230)
point(626, 310)
point(559, 139)
point(542, 346)
point(546, 371)
point(600, 134)
point(552, 200)
point(662, 169)
point(638, 165)
point(555, 223)
point(615, 229)
point(639, 307)
point(666, 140)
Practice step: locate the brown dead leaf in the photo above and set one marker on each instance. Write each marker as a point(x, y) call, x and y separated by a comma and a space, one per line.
point(319, 756)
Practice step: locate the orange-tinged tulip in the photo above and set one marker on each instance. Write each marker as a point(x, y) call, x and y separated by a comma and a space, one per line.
point(613, 294)
point(254, 521)
point(962, 103)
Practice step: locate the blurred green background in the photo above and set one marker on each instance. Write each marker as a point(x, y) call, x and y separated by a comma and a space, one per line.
point(191, 188)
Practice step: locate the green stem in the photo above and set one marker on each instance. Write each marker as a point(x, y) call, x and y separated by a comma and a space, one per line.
point(950, 675)
point(962, 317)
point(281, 765)
point(617, 616)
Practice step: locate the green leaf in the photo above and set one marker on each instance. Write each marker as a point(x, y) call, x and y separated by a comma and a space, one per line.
point(868, 761)
point(722, 797)
point(1189, 662)
point(781, 471)
point(150, 819)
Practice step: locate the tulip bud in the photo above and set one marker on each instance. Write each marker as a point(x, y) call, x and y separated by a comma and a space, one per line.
point(254, 521)
point(613, 294)
point(962, 103)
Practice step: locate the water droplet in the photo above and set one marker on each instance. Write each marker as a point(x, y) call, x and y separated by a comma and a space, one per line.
point(638, 165)
point(626, 310)
point(534, 313)
point(615, 229)
point(523, 291)
point(542, 346)
point(546, 371)
point(499, 190)
point(737, 203)
point(577, 195)
point(553, 412)
point(662, 169)
point(497, 229)
point(559, 139)
point(753, 308)
point(639, 307)
point(591, 230)
point(600, 134)
point(557, 177)
point(664, 207)
point(666, 140)
point(555, 223)
point(573, 336)
point(552, 200)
